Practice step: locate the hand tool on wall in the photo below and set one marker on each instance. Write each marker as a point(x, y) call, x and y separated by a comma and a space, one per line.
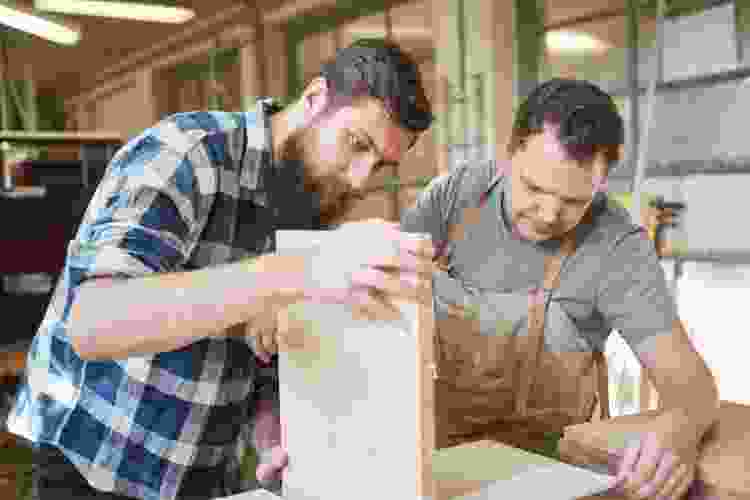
point(661, 215)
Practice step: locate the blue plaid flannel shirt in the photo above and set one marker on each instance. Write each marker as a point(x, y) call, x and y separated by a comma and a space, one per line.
point(190, 192)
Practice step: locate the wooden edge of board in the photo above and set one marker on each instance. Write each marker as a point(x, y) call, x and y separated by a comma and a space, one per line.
point(425, 486)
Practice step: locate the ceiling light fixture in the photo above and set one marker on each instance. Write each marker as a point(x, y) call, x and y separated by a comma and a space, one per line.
point(573, 42)
point(118, 10)
point(375, 31)
point(36, 25)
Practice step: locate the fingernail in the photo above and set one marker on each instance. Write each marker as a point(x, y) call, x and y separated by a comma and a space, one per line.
point(263, 472)
point(646, 492)
point(367, 277)
point(410, 279)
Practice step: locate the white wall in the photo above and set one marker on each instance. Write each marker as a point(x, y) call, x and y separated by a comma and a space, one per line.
point(712, 302)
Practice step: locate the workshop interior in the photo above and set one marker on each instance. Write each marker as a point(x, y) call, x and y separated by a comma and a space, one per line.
point(79, 79)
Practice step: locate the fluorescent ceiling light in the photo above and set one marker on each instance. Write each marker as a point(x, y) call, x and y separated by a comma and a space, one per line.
point(574, 41)
point(374, 31)
point(117, 10)
point(39, 26)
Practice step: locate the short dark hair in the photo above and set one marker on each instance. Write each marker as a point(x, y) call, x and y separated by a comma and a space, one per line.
point(382, 69)
point(588, 119)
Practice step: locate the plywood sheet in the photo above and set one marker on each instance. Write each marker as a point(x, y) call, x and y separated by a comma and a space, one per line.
point(353, 399)
point(488, 470)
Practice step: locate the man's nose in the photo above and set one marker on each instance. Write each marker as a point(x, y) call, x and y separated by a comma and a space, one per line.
point(549, 211)
point(359, 175)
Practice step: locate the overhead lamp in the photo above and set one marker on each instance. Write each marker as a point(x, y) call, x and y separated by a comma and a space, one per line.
point(118, 10)
point(573, 42)
point(37, 25)
point(374, 31)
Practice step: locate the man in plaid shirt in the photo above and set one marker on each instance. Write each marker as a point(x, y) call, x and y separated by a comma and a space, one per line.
point(145, 369)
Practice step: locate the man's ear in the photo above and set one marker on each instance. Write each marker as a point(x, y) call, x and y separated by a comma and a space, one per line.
point(316, 98)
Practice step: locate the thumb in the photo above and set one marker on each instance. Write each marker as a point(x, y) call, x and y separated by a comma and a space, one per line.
point(269, 470)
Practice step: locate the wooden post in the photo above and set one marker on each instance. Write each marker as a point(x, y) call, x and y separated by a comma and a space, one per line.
point(443, 34)
point(5, 107)
point(499, 30)
point(253, 77)
point(274, 66)
point(30, 105)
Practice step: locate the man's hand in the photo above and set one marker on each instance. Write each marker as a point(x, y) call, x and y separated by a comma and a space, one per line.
point(370, 284)
point(268, 440)
point(277, 331)
point(661, 465)
point(263, 330)
point(369, 280)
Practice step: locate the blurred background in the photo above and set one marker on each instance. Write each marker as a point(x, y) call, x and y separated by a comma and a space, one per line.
point(79, 79)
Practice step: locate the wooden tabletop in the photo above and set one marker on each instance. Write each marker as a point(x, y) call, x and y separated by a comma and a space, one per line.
point(53, 137)
point(12, 363)
point(25, 192)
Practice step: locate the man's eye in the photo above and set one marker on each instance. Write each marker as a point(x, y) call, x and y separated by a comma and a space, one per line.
point(358, 144)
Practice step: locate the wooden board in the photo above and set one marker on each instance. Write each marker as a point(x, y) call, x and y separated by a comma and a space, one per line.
point(357, 400)
point(491, 470)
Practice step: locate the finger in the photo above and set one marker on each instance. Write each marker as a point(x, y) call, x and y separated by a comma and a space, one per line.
point(279, 457)
point(416, 244)
point(291, 332)
point(672, 482)
point(269, 341)
point(260, 352)
point(667, 468)
point(629, 460)
point(295, 338)
point(385, 223)
point(264, 472)
point(376, 307)
point(394, 285)
point(683, 485)
point(648, 461)
point(409, 263)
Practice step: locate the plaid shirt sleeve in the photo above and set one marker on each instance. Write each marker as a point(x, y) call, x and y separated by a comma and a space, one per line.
point(149, 210)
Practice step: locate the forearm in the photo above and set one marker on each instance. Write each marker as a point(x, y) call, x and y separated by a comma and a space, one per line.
point(696, 412)
point(693, 403)
point(165, 312)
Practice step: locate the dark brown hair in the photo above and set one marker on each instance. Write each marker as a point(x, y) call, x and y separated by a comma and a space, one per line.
point(587, 117)
point(382, 69)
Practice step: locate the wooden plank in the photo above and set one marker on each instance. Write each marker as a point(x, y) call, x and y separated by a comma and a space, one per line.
point(357, 398)
point(491, 470)
point(69, 137)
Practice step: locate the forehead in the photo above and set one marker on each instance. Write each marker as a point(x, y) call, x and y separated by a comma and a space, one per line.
point(548, 166)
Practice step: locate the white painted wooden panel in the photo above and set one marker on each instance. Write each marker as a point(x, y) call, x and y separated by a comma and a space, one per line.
point(715, 217)
point(350, 399)
point(702, 43)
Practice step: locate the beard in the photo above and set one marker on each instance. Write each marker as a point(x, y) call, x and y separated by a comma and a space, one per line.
point(319, 200)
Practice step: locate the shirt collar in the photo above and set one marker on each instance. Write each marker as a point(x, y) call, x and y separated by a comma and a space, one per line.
point(257, 161)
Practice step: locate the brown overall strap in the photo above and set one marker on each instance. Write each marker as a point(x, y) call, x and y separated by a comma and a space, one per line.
point(529, 352)
point(529, 349)
point(602, 384)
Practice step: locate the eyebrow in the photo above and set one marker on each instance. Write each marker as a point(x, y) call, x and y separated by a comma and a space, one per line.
point(531, 184)
point(383, 161)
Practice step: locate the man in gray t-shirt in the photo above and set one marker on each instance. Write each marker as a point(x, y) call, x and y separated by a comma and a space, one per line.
point(566, 136)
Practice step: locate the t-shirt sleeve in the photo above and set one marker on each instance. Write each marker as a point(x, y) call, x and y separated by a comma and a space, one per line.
point(148, 212)
point(428, 214)
point(633, 294)
point(440, 204)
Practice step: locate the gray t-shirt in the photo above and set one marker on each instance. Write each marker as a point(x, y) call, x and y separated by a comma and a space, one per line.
point(613, 281)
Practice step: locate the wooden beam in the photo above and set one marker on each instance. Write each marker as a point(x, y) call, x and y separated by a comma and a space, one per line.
point(293, 9)
point(204, 28)
point(61, 137)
